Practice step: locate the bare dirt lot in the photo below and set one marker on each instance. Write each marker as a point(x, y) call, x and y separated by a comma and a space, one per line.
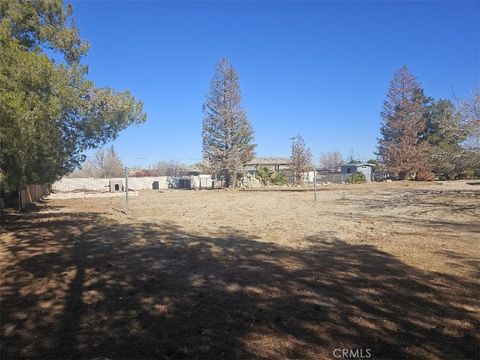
point(391, 268)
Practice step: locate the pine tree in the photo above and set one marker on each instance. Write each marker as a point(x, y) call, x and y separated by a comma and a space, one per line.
point(403, 149)
point(227, 133)
point(300, 159)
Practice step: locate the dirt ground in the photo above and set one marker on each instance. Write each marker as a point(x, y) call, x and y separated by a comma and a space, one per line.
point(388, 270)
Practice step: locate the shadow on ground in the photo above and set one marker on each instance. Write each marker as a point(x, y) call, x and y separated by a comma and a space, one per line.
point(81, 286)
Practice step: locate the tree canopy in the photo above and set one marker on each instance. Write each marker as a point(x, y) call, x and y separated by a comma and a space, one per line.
point(402, 148)
point(51, 113)
point(420, 133)
point(227, 133)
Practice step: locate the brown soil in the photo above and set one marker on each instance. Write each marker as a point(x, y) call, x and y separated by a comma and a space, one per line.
point(390, 268)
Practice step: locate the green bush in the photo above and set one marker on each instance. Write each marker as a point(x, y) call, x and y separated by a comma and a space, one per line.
point(357, 178)
point(271, 177)
point(467, 174)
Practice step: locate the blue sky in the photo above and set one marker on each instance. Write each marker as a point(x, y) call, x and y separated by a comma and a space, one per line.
point(317, 69)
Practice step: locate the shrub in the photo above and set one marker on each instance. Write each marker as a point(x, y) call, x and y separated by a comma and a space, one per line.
point(271, 177)
point(279, 178)
point(425, 176)
point(264, 174)
point(467, 174)
point(357, 178)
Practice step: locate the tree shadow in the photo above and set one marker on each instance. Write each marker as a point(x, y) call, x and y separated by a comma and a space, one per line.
point(80, 286)
point(454, 210)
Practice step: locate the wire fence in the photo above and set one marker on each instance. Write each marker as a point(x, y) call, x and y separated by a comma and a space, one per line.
point(332, 178)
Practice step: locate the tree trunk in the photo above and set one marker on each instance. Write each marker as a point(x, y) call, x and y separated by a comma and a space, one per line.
point(232, 176)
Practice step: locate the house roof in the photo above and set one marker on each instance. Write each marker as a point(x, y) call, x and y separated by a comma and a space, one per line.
point(362, 164)
point(269, 161)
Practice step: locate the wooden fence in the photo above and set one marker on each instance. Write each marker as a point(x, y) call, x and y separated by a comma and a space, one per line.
point(32, 193)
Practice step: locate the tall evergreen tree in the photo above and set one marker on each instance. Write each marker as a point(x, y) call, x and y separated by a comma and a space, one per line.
point(403, 149)
point(227, 133)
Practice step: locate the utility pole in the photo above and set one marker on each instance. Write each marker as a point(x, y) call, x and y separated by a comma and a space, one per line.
point(126, 190)
point(315, 184)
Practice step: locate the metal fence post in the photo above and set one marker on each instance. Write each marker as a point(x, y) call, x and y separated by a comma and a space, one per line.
point(126, 190)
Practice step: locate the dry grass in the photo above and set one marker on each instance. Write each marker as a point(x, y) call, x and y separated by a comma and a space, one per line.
point(394, 268)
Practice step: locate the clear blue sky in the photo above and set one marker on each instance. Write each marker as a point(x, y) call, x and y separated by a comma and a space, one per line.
point(318, 69)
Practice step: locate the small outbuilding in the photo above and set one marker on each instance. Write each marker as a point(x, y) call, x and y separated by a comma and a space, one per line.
point(193, 180)
point(365, 169)
point(115, 185)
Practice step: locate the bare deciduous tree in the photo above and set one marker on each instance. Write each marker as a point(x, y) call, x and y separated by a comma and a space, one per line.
point(402, 149)
point(108, 163)
point(469, 113)
point(300, 159)
point(227, 133)
point(331, 160)
point(87, 169)
point(169, 168)
point(470, 117)
point(105, 164)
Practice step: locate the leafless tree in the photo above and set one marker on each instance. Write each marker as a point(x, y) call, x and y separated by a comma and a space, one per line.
point(169, 168)
point(331, 160)
point(104, 164)
point(401, 149)
point(469, 113)
point(227, 133)
point(470, 117)
point(86, 170)
point(108, 163)
point(300, 159)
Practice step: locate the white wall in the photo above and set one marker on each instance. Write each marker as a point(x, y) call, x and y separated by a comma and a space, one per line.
point(94, 184)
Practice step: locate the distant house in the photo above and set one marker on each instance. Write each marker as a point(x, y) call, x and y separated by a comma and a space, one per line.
point(273, 163)
point(365, 169)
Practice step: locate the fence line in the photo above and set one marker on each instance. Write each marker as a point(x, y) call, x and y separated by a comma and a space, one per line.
point(332, 178)
point(32, 193)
